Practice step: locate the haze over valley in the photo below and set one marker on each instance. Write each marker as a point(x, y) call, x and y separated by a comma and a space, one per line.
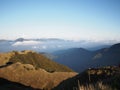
point(51, 44)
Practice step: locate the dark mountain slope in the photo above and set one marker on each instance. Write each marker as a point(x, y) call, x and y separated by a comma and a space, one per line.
point(76, 58)
point(80, 59)
point(107, 56)
point(103, 78)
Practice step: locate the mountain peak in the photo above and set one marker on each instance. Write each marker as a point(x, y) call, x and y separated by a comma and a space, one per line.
point(20, 39)
point(116, 45)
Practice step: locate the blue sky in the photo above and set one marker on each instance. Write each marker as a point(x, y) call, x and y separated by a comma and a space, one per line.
point(67, 19)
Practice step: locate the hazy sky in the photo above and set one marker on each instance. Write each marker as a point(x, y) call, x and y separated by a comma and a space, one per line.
point(68, 19)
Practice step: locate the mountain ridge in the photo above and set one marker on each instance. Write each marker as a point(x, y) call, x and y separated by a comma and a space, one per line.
point(83, 59)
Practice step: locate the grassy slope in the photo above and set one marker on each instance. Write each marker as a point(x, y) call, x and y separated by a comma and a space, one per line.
point(27, 75)
point(38, 61)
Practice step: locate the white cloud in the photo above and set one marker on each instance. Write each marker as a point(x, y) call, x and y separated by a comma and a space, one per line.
point(59, 46)
point(44, 47)
point(34, 47)
point(27, 43)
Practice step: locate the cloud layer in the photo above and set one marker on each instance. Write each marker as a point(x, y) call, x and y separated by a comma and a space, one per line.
point(26, 43)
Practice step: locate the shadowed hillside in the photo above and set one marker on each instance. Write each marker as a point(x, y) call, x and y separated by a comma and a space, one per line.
point(8, 85)
point(107, 56)
point(76, 58)
point(104, 78)
point(80, 59)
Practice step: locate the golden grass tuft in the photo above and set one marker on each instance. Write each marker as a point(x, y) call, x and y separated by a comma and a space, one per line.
point(98, 86)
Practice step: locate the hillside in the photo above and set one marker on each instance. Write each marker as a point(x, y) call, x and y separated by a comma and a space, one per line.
point(76, 58)
point(107, 56)
point(102, 78)
point(28, 70)
point(26, 76)
point(33, 58)
point(80, 59)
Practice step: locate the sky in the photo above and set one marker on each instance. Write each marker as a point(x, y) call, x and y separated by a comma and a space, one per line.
point(66, 19)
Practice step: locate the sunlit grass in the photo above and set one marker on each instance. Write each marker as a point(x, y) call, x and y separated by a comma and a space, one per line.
point(97, 86)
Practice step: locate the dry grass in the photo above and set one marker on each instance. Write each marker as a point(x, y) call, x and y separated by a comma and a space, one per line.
point(4, 57)
point(27, 75)
point(35, 59)
point(98, 86)
point(103, 78)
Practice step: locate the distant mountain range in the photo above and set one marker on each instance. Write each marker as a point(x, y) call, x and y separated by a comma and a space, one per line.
point(80, 59)
point(49, 44)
